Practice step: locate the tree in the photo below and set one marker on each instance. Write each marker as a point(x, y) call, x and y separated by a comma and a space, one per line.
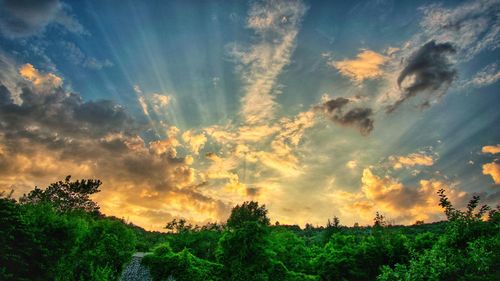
point(335, 223)
point(379, 220)
point(66, 195)
point(178, 226)
point(468, 250)
point(249, 211)
point(244, 247)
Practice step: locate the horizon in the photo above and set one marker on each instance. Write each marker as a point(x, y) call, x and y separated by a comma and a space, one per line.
point(315, 109)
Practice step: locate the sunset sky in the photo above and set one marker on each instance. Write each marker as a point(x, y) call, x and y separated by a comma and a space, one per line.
point(315, 108)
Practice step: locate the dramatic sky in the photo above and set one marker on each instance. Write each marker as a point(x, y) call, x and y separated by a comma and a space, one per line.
point(315, 108)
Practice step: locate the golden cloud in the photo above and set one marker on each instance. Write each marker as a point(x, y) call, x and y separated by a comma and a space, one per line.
point(413, 159)
point(492, 149)
point(195, 141)
point(492, 169)
point(405, 204)
point(366, 65)
point(43, 82)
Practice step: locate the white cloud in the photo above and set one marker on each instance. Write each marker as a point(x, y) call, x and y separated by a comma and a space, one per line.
point(472, 26)
point(276, 24)
point(486, 76)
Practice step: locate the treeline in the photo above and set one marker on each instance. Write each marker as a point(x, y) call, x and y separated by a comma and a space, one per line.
point(249, 248)
point(58, 233)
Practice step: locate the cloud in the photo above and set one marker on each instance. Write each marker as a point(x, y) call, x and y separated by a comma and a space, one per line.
point(492, 149)
point(469, 29)
point(359, 117)
point(352, 164)
point(256, 133)
point(486, 76)
point(157, 102)
point(43, 82)
point(366, 65)
point(195, 141)
point(401, 203)
point(48, 135)
point(27, 18)
point(76, 56)
point(411, 160)
point(276, 24)
point(270, 148)
point(492, 169)
point(472, 27)
point(404, 203)
point(427, 71)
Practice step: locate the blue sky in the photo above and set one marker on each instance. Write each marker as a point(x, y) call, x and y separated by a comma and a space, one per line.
point(315, 108)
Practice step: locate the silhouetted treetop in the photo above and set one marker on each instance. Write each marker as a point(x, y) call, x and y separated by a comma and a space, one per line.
point(249, 211)
point(66, 195)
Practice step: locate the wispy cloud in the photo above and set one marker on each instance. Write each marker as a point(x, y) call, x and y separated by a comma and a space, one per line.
point(472, 27)
point(27, 18)
point(276, 25)
point(411, 160)
point(490, 74)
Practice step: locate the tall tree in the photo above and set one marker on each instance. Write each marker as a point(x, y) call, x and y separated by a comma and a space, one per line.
point(66, 195)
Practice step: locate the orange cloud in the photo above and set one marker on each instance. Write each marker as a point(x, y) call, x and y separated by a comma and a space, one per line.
point(366, 65)
point(405, 204)
point(492, 149)
point(492, 169)
point(413, 159)
point(43, 82)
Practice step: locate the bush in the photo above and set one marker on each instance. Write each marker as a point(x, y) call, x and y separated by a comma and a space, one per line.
point(182, 266)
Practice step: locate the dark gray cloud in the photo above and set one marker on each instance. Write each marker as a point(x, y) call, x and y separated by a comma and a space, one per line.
point(62, 126)
point(61, 113)
point(24, 18)
point(359, 117)
point(428, 71)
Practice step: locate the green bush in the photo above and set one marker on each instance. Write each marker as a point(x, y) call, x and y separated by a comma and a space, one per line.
point(182, 266)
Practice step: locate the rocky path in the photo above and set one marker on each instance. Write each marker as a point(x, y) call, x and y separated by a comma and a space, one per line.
point(135, 271)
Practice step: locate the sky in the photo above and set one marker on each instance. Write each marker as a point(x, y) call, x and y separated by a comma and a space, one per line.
point(316, 109)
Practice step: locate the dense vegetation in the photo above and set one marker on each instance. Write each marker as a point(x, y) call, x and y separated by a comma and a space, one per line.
point(59, 234)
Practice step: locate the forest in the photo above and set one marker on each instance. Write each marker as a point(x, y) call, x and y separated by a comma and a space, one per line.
point(59, 233)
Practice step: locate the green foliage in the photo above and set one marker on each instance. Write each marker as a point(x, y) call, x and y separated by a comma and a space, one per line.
point(469, 250)
point(291, 250)
point(182, 266)
point(202, 242)
point(66, 195)
point(244, 251)
point(248, 212)
point(55, 234)
point(17, 244)
point(61, 239)
point(350, 257)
